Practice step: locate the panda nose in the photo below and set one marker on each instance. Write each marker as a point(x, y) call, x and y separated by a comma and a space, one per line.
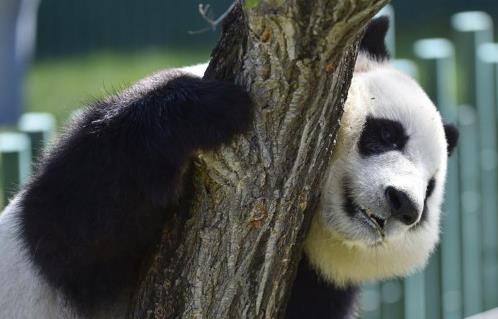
point(402, 207)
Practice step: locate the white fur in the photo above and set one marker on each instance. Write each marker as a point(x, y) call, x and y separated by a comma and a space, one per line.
point(23, 294)
point(346, 251)
point(197, 69)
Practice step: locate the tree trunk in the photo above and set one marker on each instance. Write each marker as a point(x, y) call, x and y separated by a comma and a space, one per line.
point(232, 252)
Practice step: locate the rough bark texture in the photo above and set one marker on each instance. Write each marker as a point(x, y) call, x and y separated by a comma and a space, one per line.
point(233, 250)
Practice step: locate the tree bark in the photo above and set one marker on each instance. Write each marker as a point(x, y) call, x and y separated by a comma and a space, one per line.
point(232, 251)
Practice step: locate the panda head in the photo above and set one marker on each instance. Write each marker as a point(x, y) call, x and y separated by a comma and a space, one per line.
point(381, 201)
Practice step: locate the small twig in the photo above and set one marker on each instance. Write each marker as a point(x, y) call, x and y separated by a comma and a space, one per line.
point(204, 11)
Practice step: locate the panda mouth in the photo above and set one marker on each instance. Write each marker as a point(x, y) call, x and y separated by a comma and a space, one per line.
point(377, 220)
point(353, 209)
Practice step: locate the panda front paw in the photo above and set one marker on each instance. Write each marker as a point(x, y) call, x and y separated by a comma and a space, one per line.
point(214, 111)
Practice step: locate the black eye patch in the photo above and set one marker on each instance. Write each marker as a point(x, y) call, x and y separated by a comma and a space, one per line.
point(428, 193)
point(381, 135)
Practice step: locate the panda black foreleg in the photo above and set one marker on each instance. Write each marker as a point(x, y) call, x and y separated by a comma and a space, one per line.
point(99, 198)
point(312, 297)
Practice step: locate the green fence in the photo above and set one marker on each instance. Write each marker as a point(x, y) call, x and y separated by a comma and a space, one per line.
point(19, 147)
point(461, 77)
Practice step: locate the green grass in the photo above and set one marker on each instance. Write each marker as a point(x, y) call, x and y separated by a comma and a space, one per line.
point(61, 86)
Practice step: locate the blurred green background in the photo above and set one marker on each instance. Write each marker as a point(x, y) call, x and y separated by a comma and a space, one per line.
point(89, 48)
point(86, 49)
point(61, 85)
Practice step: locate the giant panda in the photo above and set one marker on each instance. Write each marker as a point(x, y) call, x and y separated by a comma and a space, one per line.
point(73, 239)
point(381, 201)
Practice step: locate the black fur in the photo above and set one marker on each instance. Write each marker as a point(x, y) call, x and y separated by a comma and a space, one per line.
point(381, 135)
point(373, 42)
point(100, 198)
point(314, 298)
point(452, 135)
point(428, 192)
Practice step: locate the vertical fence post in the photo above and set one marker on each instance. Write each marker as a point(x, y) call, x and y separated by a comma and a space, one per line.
point(470, 201)
point(40, 127)
point(370, 302)
point(438, 56)
point(474, 29)
point(488, 54)
point(15, 160)
point(392, 293)
point(415, 301)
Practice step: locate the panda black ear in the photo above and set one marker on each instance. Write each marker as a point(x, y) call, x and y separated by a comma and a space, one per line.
point(373, 42)
point(452, 134)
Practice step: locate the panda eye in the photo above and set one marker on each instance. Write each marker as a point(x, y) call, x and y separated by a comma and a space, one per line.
point(387, 135)
point(430, 187)
point(381, 135)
